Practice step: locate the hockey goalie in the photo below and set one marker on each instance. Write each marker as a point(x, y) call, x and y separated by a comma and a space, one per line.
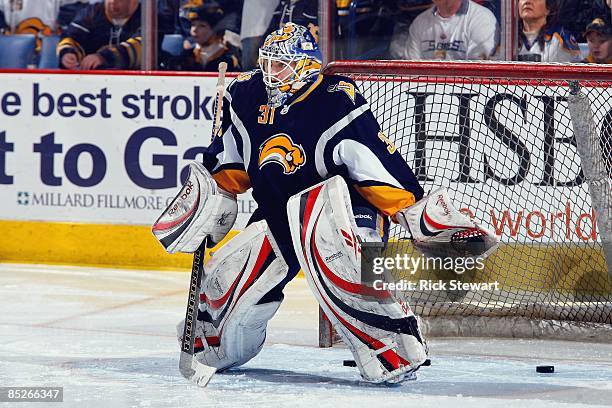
point(325, 180)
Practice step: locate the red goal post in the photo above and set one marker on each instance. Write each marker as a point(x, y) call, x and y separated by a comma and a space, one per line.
point(525, 149)
point(475, 69)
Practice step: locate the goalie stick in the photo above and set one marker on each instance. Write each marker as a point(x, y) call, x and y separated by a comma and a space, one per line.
point(189, 367)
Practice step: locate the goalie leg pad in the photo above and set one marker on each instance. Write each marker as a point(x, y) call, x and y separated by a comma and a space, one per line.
point(382, 335)
point(200, 210)
point(231, 326)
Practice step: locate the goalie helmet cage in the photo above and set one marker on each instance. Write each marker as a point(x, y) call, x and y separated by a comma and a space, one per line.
point(524, 149)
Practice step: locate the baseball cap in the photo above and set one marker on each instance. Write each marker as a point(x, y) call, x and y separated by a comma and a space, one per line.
point(599, 25)
point(211, 12)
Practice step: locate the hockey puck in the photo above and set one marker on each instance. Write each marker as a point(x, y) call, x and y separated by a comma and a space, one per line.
point(349, 363)
point(545, 369)
point(427, 363)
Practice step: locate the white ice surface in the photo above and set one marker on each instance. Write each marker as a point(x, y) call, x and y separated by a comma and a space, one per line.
point(107, 337)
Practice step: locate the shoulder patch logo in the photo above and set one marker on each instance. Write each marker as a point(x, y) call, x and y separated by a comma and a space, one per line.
point(281, 150)
point(346, 87)
point(391, 148)
point(245, 76)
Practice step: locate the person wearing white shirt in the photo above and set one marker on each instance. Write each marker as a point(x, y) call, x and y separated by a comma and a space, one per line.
point(256, 17)
point(451, 30)
point(38, 17)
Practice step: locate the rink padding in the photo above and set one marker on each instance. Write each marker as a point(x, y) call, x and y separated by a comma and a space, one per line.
point(135, 247)
point(571, 268)
point(103, 245)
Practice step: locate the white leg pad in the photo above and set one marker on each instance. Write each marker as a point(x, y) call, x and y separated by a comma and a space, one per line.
point(383, 336)
point(231, 326)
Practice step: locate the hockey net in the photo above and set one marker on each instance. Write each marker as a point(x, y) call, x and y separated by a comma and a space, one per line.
point(526, 150)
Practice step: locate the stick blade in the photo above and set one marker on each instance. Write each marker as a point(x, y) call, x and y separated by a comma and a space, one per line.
point(194, 371)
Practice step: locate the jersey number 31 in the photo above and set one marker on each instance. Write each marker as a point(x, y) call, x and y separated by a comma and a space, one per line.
point(267, 115)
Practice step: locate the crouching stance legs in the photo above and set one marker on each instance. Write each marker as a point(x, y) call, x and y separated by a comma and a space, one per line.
point(233, 313)
point(384, 337)
point(231, 326)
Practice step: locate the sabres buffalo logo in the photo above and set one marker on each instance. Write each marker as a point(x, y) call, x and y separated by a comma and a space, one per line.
point(346, 87)
point(245, 76)
point(280, 149)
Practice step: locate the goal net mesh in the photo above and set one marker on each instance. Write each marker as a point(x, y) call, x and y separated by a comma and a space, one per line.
point(526, 152)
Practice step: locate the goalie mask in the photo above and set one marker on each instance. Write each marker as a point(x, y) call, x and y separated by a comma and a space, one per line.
point(289, 58)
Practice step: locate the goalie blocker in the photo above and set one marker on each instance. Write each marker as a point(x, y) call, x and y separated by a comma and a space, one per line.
point(201, 209)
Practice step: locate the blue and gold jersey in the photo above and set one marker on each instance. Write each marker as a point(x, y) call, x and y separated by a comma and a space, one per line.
point(93, 31)
point(323, 130)
point(555, 44)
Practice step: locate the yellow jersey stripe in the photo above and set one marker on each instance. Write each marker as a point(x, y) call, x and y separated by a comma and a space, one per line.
point(72, 44)
point(309, 91)
point(389, 200)
point(233, 180)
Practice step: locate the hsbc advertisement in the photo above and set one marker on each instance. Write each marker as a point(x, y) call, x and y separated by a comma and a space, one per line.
point(114, 149)
point(507, 153)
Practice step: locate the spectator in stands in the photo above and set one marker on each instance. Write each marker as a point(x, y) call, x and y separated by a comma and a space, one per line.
point(260, 17)
point(256, 17)
point(404, 13)
point(599, 38)
point(41, 18)
point(104, 35)
point(208, 48)
point(302, 12)
point(231, 21)
point(38, 17)
point(541, 38)
point(451, 30)
point(68, 12)
point(576, 14)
